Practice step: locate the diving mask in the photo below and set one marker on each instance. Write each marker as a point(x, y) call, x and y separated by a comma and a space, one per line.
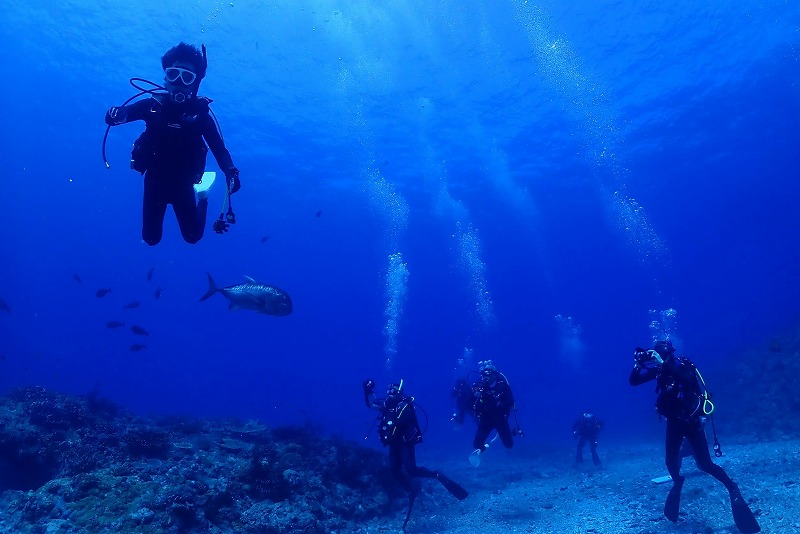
point(173, 74)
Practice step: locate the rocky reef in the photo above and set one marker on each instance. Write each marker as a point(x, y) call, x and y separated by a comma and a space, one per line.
point(83, 464)
point(759, 390)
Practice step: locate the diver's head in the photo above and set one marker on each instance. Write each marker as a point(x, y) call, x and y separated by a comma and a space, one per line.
point(588, 415)
point(665, 349)
point(489, 373)
point(184, 68)
point(395, 390)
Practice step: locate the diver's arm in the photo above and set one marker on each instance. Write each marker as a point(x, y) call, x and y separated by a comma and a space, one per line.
point(506, 395)
point(368, 386)
point(416, 436)
point(217, 145)
point(133, 112)
point(640, 375)
point(374, 403)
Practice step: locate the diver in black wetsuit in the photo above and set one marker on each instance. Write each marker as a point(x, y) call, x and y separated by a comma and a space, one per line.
point(399, 430)
point(682, 401)
point(587, 428)
point(493, 405)
point(171, 152)
point(464, 395)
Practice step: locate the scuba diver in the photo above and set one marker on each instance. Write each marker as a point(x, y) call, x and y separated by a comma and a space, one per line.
point(683, 400)
point(492, 406)
point(399, 430)
point(171, 152)
point(586, 428)
point(464, 395)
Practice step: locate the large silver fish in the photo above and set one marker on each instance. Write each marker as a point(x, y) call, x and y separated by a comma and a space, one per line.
point(254, 296)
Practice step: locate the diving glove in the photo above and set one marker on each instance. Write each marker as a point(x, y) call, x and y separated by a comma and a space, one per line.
point(115, 116)
point(232, 179)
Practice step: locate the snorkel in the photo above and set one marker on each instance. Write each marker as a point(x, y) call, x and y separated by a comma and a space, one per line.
point(395, 389)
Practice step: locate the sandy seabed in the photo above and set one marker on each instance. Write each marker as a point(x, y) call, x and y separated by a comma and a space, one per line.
point(549, 493)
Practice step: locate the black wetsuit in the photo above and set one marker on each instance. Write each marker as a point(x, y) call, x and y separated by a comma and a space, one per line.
point(465, 400)
point(680, 402)
point(587, 429)
point(492, 408)
point(399, 430)
point(172, 155)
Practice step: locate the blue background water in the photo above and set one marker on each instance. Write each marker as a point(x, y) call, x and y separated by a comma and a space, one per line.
point(591, 160)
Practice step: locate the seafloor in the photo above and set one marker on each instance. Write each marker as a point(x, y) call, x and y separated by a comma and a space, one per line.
point(81, 464)
point(546, 494)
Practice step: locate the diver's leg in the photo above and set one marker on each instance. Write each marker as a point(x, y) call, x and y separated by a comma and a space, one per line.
point(672, 447)
point(410, 463)
point(396, 464)
point(579, 451)
point(191, 214)
point(595, 456)
point(744, 518)
point(685, 450)
point(484, 428)
point(504, 431)
point(697, 439)
point(154, 205)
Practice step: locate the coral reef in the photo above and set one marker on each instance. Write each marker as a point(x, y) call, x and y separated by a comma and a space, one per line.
point(81, 464)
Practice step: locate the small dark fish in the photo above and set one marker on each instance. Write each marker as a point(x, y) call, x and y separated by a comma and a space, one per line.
point(114, 324)
point(4, 306)
point(318, 213)
point(77, 278)
point(150, 274)
point(132, 305)
point(264, 239)
point(139, 331)
point(102, 292)
point(2, 357)
point(136, 347)
point(157, 293)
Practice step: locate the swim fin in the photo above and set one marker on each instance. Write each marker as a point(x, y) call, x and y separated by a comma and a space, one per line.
point(673, 504)
point(455, 490)
point(661, 480)
point(742, 515)
point(201, 189)
point(475, 457)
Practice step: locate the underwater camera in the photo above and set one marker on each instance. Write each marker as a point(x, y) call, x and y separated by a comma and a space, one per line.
point(643, 356)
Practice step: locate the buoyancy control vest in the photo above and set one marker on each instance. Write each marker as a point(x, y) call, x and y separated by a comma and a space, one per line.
point(173, 138)
point(399, 421)
point(680, 395)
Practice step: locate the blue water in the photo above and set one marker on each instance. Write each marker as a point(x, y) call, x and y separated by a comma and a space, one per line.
point(534, 183)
